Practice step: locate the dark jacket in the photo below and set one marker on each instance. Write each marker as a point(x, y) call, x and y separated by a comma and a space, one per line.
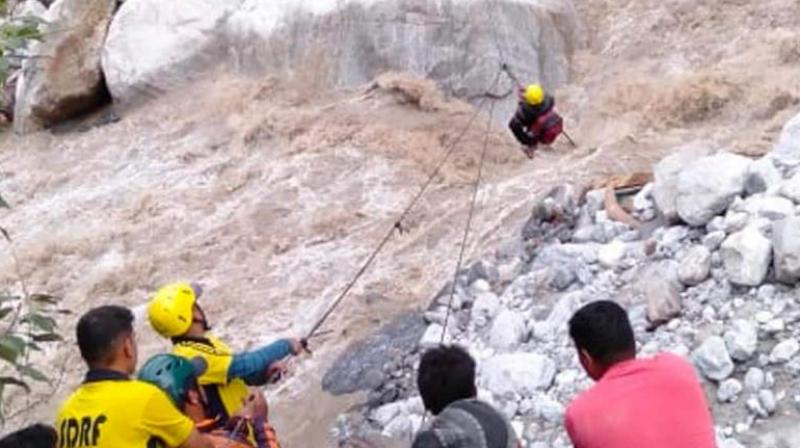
point(455, 427)
point(526, 116)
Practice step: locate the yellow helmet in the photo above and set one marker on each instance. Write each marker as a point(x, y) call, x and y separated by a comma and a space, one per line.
point(534, 94)
point(170, 310)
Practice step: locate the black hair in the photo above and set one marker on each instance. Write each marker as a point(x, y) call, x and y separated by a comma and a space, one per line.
point(602, 329)
point(100, 329)
point(34, 436)
point(446, 374)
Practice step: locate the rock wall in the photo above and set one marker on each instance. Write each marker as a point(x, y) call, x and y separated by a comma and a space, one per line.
point(458, 43)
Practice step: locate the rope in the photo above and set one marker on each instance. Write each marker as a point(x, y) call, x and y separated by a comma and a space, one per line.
point(468, 226)
point(398, 224)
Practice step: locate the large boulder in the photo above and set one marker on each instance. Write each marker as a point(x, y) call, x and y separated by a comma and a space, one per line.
point(786, 153)
point(517, 374)
point(786, 245)
point(454, 42)
point(746, 256)
point(183, 38)
point(66, 80)
point(665, 176)
point(713, 360)
point(508, 330)
point(708, 186)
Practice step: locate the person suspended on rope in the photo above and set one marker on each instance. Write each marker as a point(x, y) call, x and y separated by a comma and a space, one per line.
point(535, 120)
point(174, 313)
point(111, 410)
point(178, 378)
point(446, 382)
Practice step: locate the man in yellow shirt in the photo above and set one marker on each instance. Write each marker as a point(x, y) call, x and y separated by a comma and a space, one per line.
point(174, 313)
point(110, 410)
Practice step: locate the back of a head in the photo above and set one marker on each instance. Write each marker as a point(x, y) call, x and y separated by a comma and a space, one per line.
point(603, 330)
point(446, 374)
point(34, 436)
point(100, 329)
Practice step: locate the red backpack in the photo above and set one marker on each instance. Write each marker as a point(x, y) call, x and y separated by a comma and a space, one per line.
point(548, 127)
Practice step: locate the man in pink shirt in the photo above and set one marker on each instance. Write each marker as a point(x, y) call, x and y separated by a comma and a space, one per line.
point(636, 403)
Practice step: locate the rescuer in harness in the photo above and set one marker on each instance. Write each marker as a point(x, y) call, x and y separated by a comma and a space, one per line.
point(535, 120)
point(178, 378)
point(174, 313)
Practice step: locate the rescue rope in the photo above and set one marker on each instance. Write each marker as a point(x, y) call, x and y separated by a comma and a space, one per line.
point(398, 224)
point(468, 225)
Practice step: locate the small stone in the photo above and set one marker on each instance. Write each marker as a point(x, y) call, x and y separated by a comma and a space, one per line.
point(707, 187)
point(485, 308)
point(729, 390)
point(762, 175)
point(767, 401)
point(791, 188)
point(766, 292)
point(508, 330)
point(741, 428)
point(713, 240)
point(518, 427)
point(716, 224)
point(763, 317)
point(480, 286)
point(741, 340)
point(735, 221)
point(774, 326)
point(433, 336)
point(786, 243)
point(610, 255)
point(754, 406)
point(754, 380)
point(694, 266)
point(784, 351)
point(713, 360)
point(517, 373)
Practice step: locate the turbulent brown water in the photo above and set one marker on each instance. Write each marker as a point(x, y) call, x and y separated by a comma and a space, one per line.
point(273, 195)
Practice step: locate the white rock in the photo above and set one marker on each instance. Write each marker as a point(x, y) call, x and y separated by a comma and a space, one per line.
point(480, 286)
point(665, 176)
point(386, 413)
point(549, 410)
point(741, 340)
point(508, 330)
point(708, 186)
point(767, 401)
point(729, 390)
point(763, 316)
point(517, 373)
point(694, 266)
point(786, 244)
point(769, 207)
point(786, 153)
point(713, 240)
point(610, 255)
point(754, 406)
point(746, 256)
point(784, 351)
point(30, 8)
point(762, 176)
point(485, 308)
point(713, 360)
point(790, 188)
point(735, 221)
point(433, 336)
point(754, 380)
point(774, 326)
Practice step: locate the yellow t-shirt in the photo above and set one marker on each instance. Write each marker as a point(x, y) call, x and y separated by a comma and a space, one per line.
point(121, 413)
point(218, 357)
